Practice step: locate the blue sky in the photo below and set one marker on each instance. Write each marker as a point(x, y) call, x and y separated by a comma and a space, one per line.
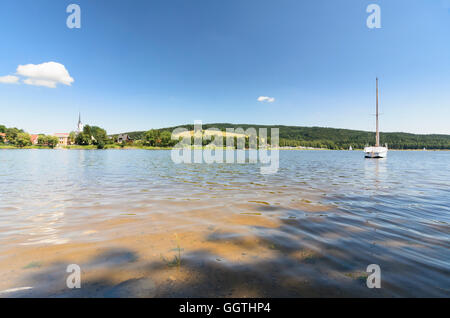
point(138, 65)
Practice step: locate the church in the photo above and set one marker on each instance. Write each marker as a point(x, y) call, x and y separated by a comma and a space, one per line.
point(80, 125)
point(64, 138)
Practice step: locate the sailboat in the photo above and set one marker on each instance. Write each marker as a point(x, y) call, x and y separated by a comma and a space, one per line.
point(377, 151)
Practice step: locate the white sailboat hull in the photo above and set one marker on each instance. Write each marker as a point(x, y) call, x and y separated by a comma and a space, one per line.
point(375, 152)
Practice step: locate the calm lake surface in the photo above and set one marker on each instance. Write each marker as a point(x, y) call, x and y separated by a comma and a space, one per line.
point(310, 230)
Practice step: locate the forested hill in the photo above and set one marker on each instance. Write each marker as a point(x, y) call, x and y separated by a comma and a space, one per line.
point(331, 138)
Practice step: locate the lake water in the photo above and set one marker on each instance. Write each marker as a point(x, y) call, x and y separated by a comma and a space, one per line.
point(127, 216)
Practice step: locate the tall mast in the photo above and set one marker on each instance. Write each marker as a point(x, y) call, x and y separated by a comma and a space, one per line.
point(377, 144)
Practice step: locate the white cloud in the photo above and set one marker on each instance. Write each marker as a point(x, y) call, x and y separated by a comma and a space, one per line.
point(39, 82)
point(46, 74)
point(266, 99)
point(9, 79)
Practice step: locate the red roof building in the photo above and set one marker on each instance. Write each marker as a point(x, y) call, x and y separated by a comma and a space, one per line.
point(34, 139)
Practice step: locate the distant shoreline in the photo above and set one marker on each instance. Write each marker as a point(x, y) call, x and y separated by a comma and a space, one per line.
point(115, 147)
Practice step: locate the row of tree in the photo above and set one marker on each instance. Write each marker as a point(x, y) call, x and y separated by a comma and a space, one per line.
point(19, 138)
point(91, 135)
point(290, 136)
point(49, 141)
point(14, 136)
point(158, 138)
point(319, 137)
point(163, 138)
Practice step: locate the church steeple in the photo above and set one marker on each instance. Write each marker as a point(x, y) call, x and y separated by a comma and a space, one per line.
point(80, 124)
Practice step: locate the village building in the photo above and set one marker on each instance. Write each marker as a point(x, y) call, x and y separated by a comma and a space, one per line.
point(123, 138)
point(34, 139)
point(63, 138)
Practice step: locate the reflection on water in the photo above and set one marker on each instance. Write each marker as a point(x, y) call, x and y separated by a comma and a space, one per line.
point(309, 230)
point(376, 171)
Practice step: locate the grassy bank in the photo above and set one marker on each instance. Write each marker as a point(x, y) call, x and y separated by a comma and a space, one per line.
point(90, 147)
point(27, 147)
point(114, 146)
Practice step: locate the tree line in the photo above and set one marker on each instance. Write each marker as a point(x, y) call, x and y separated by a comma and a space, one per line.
point(19, 138)
point(91, 135)
point(315, 137)
point(290, 136)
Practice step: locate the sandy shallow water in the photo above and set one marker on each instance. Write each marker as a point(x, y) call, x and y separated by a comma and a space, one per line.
point(125, 217)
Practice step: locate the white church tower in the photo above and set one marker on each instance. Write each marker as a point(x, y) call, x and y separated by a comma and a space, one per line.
point(80, 124)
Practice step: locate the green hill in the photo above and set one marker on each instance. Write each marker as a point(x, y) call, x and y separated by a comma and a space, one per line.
point(331, 138)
